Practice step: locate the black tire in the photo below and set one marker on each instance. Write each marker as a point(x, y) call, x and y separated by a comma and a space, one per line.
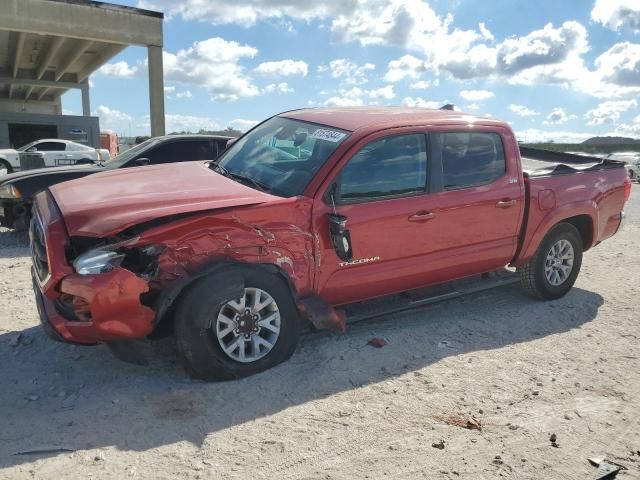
point(533, 280)
point(5, 164)
point(198, 347)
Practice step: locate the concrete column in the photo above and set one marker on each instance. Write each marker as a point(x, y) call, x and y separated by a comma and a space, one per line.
point(156, 90)
point(86, 104)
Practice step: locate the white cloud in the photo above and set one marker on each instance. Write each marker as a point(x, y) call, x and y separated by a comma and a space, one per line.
point(242, 124)
point(420, 85)
point(476, 95)
point(616, 14)
point(485, 32)
point(185, 94)
point(628, 130)
point(113, 119)
point(283, 68)
point(350, 72)
point(534, 135)
point(472, 106)
point(407, 66)
point(169, 90)
point(119, 69)
point(282, 87)
point(609, 111)
point(357, 96)
point(183, 123)
point(422, 103)
point(214, 65)
point(522, 111)
point(621, 64)
point(558, 116)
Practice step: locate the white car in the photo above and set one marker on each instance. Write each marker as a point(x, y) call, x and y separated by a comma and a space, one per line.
point(55, 153)
point(632, 163)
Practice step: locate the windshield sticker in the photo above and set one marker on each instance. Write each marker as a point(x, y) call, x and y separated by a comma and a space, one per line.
point(328, 135)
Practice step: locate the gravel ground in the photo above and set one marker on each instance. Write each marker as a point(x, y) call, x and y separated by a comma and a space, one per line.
point(340, 409)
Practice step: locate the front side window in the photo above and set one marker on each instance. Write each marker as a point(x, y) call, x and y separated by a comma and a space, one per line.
point(49, 147)
point(470, 159)
point(282, 154)
point(181, 151)
point(387, 167)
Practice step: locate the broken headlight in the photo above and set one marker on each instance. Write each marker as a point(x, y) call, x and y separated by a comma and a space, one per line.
point(9, 191)
point(97, 261)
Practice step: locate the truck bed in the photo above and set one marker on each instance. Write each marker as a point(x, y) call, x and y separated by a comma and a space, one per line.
point(536, 162)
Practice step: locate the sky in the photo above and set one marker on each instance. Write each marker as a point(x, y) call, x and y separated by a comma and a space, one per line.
point(561, 70)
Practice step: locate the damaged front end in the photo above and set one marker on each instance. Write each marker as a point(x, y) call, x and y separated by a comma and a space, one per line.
point(124, 287)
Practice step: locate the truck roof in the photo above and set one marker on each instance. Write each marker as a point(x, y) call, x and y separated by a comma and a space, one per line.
point(354, 118)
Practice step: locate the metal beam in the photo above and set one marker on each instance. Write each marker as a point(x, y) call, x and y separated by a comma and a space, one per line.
point(43, 93)
point(97, 21)
point(106, 54)
point(56, 43)
point(19, 47)
point(16, 59)
point(80, 48)
point(39, 83)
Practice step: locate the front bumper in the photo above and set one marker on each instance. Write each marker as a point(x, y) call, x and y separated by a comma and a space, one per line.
point(111, 308)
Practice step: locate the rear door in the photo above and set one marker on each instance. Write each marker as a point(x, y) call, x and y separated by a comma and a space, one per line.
point(480, 199)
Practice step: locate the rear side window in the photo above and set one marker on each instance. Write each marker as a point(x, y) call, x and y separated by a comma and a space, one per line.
point(186, 151)
point(470, 159)
point(387, 167)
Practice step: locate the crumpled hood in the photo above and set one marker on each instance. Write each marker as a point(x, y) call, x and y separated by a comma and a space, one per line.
point(108, 202)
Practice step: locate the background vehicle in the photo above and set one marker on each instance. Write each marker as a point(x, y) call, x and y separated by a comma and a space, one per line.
point(632, 163)
point(109, 141)
point(305, 217)
point(17, 190)
point(54, 152)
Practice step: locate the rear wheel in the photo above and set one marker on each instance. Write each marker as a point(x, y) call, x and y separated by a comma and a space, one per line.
point(223, 336)
point(553, 270)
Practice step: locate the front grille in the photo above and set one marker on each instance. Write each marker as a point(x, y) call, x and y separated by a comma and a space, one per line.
point(39, 248)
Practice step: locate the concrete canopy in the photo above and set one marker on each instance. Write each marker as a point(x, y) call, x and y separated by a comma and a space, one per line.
point(50, 46)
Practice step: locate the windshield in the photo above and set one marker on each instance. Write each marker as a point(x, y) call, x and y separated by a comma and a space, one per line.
point(282, 155)
point(124, 157)
point(26, 147)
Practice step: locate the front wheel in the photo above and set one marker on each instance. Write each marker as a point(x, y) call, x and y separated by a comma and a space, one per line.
point(222, 334)
point(553, 270)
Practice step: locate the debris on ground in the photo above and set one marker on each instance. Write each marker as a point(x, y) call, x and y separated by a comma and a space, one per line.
point(607, 470)
point(554, 440)
point(378, 342)
point(461, 420)
point(439, 445)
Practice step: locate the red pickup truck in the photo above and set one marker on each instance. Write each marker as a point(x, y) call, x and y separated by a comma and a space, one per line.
point(309, 213)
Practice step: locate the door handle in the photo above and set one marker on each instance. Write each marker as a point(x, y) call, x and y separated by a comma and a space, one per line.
point(421, 216)
point(505, 203)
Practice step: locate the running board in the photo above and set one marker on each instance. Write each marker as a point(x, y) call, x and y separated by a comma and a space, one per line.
point(418, 298)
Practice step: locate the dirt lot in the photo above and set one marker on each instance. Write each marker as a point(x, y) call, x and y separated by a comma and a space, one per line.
point(340, 408)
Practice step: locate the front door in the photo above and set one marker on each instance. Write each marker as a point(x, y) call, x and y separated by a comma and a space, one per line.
point(382, 192)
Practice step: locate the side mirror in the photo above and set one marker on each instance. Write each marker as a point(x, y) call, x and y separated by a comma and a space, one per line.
point(340, 237)
point(140, 162)
point(31, 150)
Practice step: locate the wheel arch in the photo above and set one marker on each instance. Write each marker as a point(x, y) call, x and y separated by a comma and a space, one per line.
point(5, 163)
point(170, 295)
point(583, 219)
